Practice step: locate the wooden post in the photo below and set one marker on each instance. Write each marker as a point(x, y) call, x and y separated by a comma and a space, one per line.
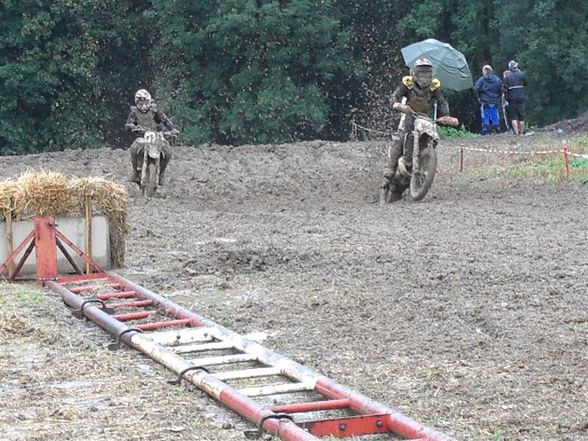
point(567, 160)
point(88, 232)
point(9, 242)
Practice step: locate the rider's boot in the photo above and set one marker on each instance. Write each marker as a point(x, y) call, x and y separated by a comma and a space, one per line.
point(384, 191)
point(134, 176)
point(387, 184)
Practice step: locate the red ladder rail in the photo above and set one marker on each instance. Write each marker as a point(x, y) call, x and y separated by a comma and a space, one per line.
point(191, 333)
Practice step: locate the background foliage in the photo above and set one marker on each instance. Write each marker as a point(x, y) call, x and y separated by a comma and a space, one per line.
point(263, 71)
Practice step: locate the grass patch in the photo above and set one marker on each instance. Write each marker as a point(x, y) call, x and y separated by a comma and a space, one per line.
point(551, 170)
point(453, 133)
point(14, 293)
point(539, 167)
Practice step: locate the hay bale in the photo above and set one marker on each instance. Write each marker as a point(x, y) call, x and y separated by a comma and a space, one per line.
point(51, 194)
point(45, 193)
point(12, 199)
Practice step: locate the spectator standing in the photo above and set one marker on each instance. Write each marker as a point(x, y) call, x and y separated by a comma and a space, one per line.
point(488, 90)
point(505, 109)
point(514, 87)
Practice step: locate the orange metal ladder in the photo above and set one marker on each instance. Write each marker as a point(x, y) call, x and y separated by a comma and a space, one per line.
point(212, 358)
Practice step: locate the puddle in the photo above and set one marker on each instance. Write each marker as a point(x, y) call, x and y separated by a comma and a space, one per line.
point(208, 297)
point(74, 384)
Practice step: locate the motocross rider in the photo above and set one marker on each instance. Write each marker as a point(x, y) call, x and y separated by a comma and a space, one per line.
point(145, 116)
point(420, 90)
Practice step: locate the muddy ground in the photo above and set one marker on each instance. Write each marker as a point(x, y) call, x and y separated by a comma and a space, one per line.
point(467, 311)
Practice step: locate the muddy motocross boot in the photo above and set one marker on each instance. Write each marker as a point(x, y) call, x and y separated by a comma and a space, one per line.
point(134, 175)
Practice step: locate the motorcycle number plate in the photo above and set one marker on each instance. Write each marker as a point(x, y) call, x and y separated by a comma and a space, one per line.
point(153, 151)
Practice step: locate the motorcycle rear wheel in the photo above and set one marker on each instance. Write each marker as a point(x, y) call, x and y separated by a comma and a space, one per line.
point(421, 181)
point(151, 185)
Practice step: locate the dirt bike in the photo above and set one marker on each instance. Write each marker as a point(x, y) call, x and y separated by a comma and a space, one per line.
point(417, 175)
point(150, 165)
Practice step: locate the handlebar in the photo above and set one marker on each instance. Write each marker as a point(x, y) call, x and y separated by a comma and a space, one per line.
point(443, 120)
point(141, 129)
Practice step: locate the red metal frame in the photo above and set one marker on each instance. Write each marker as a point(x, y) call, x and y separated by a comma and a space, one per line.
point(351, 426)
point(46, 248)
point(46, 239)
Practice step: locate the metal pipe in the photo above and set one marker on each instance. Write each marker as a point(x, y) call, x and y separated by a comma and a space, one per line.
point(398, 423)
point(236, 401)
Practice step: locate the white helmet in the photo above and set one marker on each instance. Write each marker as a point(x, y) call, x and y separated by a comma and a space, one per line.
point(143, 100)
point(423, 62)
point(422, 72)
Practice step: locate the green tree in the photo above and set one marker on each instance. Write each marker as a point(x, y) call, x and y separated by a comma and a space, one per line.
point(125, 34)
point(549, 41)
point(246, 71)
point(47, 76)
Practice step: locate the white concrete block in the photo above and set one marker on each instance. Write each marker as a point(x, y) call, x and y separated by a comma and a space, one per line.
point(74, 229)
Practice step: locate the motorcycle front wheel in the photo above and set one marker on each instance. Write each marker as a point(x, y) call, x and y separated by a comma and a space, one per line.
point(151, 179)
point(421, 181)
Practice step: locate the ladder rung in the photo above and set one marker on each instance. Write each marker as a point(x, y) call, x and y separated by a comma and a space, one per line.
point(312, 406)
point(223, 359)
point(76, 280)
point(136, 304)
point(277, 389)
point(117, 295)
point(180, 336)
point(133, 316)
point(159, 325)
point(78, 289)
point(201, 347)
point(248, 373)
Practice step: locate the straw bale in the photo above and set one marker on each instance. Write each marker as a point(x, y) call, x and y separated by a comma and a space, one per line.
point(12, 199)
point(41, 193)
point(45, 194)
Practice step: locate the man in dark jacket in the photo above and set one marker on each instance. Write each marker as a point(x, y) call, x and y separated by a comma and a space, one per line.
point(514, 86)
point(145, 116)
point(488, 90)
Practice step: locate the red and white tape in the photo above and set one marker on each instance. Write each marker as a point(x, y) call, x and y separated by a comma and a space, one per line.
point(515, 152)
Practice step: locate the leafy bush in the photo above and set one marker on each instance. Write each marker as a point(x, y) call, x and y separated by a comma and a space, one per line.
point(452, 132)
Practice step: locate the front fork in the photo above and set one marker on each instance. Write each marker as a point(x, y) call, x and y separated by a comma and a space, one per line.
point(144, 166)
point(416, 149)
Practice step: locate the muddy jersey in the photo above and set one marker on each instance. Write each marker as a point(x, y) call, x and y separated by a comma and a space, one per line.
point(421, 100)
point(152, 119)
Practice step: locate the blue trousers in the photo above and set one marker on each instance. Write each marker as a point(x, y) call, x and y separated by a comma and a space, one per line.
point(489, 118)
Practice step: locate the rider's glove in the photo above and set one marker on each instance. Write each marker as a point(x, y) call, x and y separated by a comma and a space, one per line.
point(402, 107)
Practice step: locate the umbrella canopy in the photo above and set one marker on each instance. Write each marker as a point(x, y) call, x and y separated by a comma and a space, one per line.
point(449, 65)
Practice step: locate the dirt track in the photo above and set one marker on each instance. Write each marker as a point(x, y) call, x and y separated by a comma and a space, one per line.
point(467, 311)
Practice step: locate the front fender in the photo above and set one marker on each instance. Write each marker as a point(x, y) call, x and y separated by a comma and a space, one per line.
point(426, 127)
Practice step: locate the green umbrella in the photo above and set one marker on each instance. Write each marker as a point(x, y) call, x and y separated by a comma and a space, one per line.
point(449, 65)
